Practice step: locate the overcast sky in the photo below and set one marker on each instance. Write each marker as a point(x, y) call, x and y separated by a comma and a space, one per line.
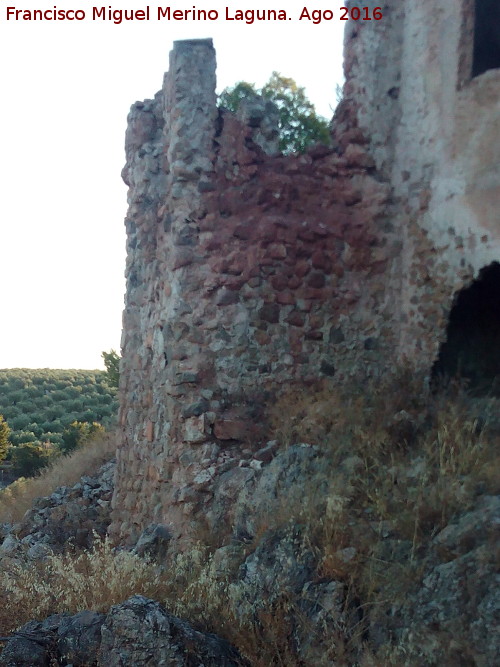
point(66, 90)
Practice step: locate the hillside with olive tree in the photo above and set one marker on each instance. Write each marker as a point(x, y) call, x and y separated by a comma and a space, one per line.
point(48, 412)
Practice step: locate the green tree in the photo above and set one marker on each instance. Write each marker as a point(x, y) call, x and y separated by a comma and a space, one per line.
point(299, 126)
point(4, 438)
point(29, 458)
point(78, 433)
point(21, 437)
point(230, 98)
point(112, 364)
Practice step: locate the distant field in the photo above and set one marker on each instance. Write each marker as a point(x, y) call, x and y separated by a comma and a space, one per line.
point(39, 404)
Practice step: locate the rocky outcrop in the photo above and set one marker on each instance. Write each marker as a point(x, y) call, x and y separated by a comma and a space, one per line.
point(453, 617)
point(438, 604)
point(444, 610)
point(136, 632)
point(69, 516)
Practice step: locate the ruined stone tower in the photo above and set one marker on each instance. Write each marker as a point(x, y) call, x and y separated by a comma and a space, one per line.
point(250, 272)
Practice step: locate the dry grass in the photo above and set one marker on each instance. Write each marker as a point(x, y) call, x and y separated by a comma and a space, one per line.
point(71, 582)
point(399, 464)
point(189, 587)
point(262, 628)
point(18, 497)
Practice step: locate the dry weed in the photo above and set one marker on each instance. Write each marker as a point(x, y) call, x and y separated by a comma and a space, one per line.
point(399, 462)
point(94, 579)
point(18, 497)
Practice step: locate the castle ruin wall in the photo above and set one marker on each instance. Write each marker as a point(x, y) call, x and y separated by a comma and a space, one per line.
point(250, 273)
point(435, 133)
point(247, 273)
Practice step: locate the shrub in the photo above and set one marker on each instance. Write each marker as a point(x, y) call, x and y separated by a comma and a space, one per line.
point(30, 400)
point(4, 438)
point(29, 458)
point(79, 433)
point(395, 458)
point(112, 362)
point(22, 437)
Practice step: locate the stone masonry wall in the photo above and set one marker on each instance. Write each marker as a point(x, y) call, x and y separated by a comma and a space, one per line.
point(434, 134)
point(250, 273)
point(247, 273)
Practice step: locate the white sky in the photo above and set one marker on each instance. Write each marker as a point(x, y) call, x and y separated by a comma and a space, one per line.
point(67, 88)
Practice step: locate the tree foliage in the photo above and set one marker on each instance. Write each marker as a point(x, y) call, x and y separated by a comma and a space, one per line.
point(29, 458)
point(112, 364)
point(78, 433)
point(230, 98)
point(299, 126)
point(4, 438)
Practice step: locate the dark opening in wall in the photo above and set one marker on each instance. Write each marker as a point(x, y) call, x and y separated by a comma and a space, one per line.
point(472, 347)
point(486, 36)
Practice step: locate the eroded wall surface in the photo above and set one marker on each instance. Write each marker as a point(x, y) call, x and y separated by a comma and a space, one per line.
point(248, 272)
point(435, 132)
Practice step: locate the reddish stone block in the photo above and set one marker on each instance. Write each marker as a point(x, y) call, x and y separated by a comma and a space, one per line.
point(285, 298)
point(316, 280)
point(320, 261)
point(316, 321)
point(226, 297)
point(265, 232)
point(314, 335)
point(182, 257)
point(295, 339)
point(304, 305)
point(306, 234)
point(304, 250)
point(288, 235)
point(338, 270)
point(266, 454)
point(234, 284)
point(302, 268)
point(320, 228)
point(262, 337)
point(296, 318)
point(234, 264)
point(230, 429)
point(277, 251)
point(279, 283)
point(270, 312)
point(294, 282)
point(243, 231)
point(149, 431)
point(318, 151)
point(314, 294)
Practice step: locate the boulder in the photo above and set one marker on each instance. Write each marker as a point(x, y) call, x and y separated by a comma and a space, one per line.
point(141, 631)
point(136, 632)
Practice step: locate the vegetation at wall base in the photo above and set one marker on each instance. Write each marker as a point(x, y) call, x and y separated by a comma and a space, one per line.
point(399, 466)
